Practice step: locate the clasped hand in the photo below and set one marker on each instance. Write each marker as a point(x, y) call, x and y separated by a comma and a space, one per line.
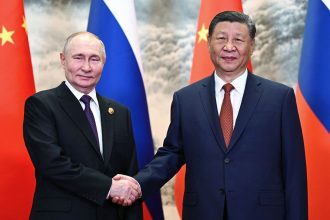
point(124, 190)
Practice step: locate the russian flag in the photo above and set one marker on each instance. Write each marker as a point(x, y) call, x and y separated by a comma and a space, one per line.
point(313, 99)
point(114, 21)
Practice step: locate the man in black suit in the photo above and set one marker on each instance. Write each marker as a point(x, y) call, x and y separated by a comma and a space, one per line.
point(239, 136)
point(78, 140)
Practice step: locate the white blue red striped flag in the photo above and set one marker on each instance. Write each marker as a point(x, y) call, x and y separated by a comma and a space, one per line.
point(313, 99)
point(114, 21)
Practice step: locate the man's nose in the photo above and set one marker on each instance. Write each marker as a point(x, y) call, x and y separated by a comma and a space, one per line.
point(86, 66)
point(229, 46)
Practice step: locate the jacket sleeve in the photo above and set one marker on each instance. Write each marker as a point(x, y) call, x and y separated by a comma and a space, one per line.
point(168, 159)
point(294, 163)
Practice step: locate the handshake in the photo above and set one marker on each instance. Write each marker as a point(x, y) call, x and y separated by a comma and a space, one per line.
point(125, 190)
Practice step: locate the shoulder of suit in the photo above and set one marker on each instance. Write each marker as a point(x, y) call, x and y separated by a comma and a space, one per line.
point(270, 84)
point(44, 94)
point(196, 85)
point(44, 97)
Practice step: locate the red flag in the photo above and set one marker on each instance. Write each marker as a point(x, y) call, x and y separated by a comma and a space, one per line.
point(202, 65)
point(16, 170)
point(317, 142)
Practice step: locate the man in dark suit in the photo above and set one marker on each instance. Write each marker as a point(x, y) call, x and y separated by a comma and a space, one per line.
point(239, 136)
point(78, 140)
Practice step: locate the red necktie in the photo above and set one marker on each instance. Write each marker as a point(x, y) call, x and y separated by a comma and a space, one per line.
point(226, 114)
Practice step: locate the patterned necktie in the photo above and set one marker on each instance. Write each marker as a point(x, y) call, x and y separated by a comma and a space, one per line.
point(226, 114)
point(89, 114)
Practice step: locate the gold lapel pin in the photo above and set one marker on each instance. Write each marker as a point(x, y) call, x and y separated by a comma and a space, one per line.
point(111, 111)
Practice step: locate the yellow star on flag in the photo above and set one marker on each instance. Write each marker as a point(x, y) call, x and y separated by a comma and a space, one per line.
point(6, 36)
point(202, 34)
point(24, 25)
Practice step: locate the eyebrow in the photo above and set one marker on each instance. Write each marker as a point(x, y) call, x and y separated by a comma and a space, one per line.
point(77, 54)
point(81, 54)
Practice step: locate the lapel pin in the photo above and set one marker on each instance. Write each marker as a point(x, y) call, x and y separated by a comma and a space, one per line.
point(111, 111)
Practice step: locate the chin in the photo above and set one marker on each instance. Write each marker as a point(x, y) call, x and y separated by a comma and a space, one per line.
point(229, 69)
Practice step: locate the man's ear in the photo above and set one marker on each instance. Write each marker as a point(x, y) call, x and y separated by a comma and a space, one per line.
point(252, 47)
point(62, 58)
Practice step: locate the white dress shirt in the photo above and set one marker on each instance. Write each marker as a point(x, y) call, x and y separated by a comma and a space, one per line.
point(94, 104)
point(236, 95)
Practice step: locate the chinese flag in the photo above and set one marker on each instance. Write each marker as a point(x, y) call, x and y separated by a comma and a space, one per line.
point(16, 170)
point(202, 65)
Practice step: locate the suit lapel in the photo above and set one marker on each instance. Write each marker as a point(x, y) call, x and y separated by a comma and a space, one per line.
point(252, 93)
point(207, 95)
point(107, 128)
point(73, 108)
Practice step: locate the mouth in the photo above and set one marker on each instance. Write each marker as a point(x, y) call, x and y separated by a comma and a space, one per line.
point(228, 58)
point(85, 77)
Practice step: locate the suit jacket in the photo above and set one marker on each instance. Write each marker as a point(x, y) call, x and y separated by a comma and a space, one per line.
point(72, 177)
point(261, 176)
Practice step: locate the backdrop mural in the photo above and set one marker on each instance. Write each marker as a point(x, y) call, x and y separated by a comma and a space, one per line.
point(166, 30)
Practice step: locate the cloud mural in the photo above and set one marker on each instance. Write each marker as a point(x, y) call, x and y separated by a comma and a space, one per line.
point(280, 26)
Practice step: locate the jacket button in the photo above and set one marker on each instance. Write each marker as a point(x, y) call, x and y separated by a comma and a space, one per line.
point(227, 160)
point(222, 191)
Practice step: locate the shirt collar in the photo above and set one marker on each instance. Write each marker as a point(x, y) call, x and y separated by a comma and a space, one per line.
point(238, 83)
point(78, 94)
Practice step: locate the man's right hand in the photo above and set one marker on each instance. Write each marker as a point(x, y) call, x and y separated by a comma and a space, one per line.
point(124, 190)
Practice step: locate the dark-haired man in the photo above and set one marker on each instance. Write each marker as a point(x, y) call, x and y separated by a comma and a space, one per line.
point(239, 136)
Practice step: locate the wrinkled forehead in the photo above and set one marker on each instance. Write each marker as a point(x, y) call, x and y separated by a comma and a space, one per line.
point(226, 27)
point(84, 43)
point(82, 40)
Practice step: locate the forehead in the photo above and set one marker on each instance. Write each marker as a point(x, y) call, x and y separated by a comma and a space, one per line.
point(227, 27)
point(84, 43)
